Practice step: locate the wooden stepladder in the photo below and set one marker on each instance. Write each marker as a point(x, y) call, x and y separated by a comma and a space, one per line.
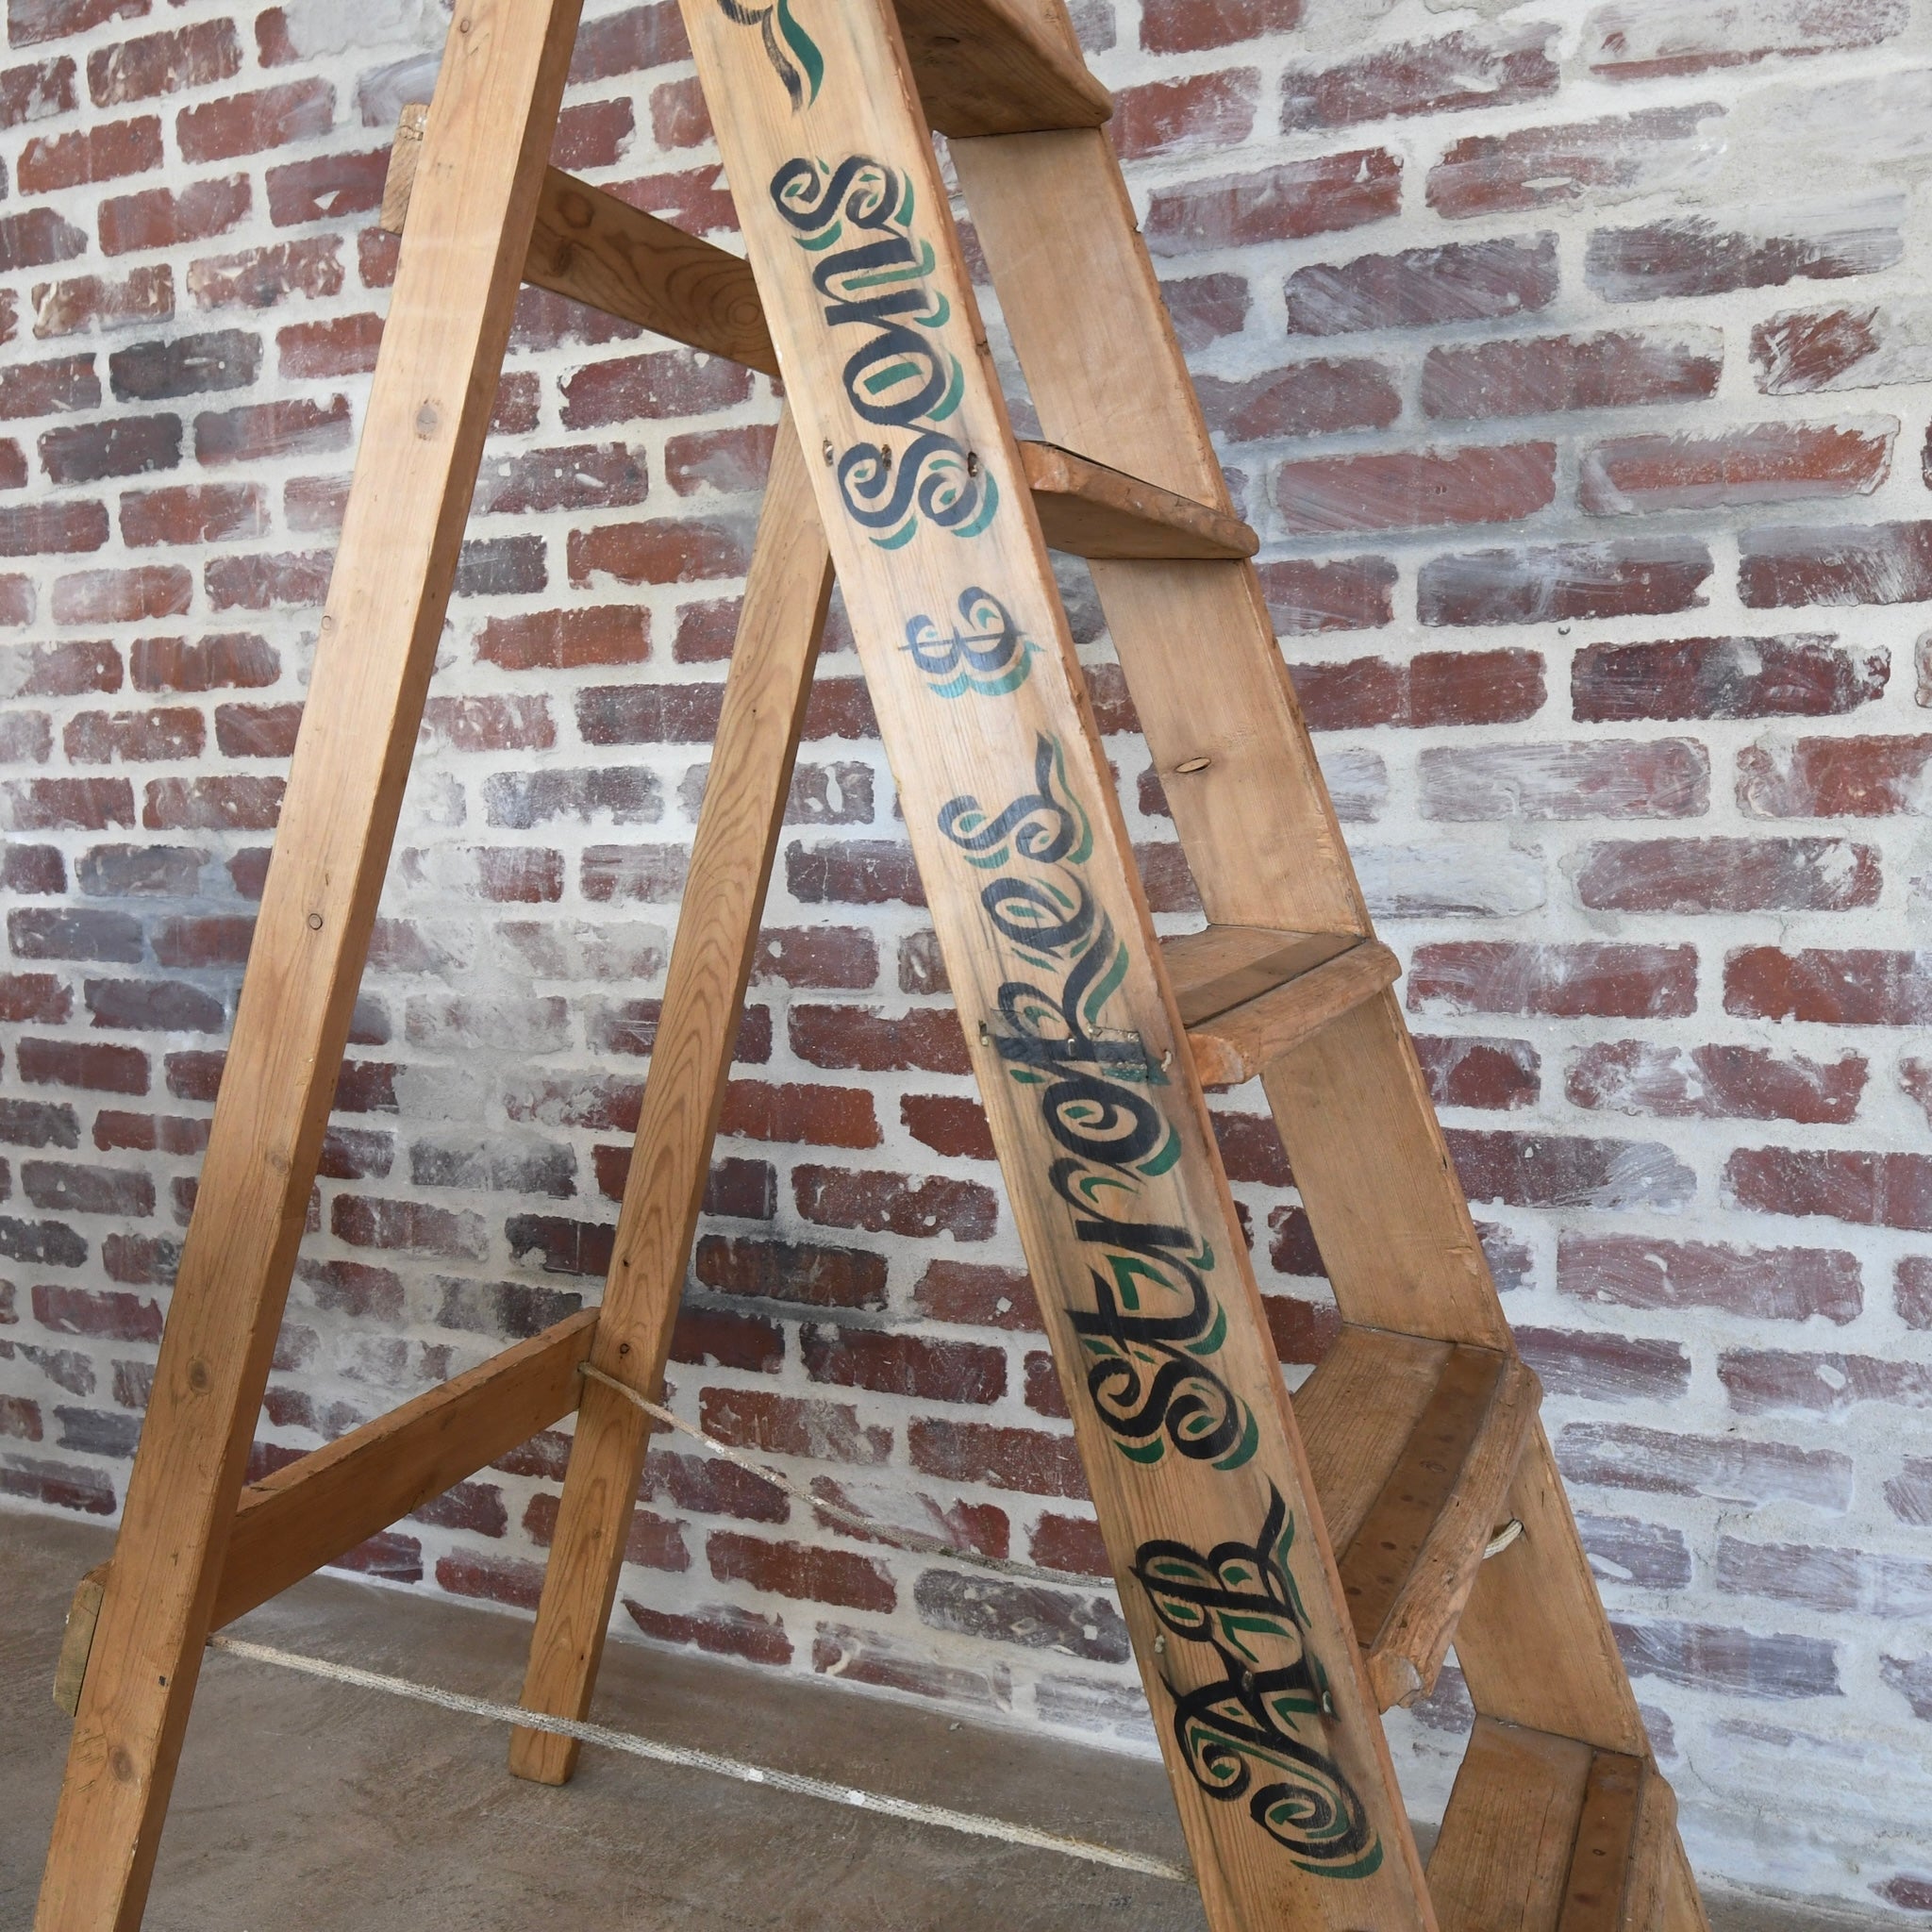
point(1287, 1571)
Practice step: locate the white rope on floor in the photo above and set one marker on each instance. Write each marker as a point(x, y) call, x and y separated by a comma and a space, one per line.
point(685, 1758)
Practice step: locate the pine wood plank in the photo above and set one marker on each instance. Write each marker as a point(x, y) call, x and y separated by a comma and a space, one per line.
point(1009, 804)
point(712, 957)
point(490, 129)
point(1089, 511)
point(307, 1514)
point(997, 67)
point(1408, 1569)
point(1224, 966)
point(589, 245)
point(1503, 1858)
point(78, 1638)
point(1237, 1043)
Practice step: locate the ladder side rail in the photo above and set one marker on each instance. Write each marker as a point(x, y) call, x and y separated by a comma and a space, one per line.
point(490, 132)
point(766, 691)
point(1008, 803)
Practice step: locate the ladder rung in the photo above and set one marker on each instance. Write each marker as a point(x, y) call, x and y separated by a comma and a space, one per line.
point(1089, 511)
point(992, 67)
point(1413, 1444)
point(1545, 1834)
point(1248, 994)
point(591, 247)
point(598, 250)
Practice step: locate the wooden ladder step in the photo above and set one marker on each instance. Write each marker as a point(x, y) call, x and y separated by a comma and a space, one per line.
point(1248, 994)
point(1089, 511)
point(993, 67)
point(1546, 1834)
point(1413, 1444)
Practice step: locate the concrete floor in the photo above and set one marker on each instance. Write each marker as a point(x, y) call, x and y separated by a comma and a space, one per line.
point(312, 1807)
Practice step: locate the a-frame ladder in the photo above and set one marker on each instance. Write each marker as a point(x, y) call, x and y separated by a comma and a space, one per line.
point(1286, 1570)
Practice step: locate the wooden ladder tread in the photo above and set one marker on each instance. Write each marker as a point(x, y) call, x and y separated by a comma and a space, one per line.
point(994, 67)
point(1548, 1834)
point(1248, 994)
point(1413, 1444)
point(1091, 510)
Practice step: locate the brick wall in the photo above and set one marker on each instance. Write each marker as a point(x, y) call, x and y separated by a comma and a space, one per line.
point(1574, 364)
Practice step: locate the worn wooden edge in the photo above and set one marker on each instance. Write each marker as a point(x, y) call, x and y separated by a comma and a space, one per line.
point(1235, 1045)
point(994, 67)
point(309, 1514)
point(1091, 510)
point(589, 245)
point(78, 1638)
point(1405, 1656)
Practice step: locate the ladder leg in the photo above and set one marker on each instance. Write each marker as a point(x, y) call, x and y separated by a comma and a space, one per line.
point(1229, 1591)
point(488, 139)
point(765, 694)
point(1240, 778)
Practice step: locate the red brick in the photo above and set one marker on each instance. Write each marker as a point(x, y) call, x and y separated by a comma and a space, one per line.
point(167, 217)
point(1415, 488)
point(1743, 1662)
point(1639, 577)
point(679, 115)
point(73, 932)
point(32, 21)
point(1866, 1189)
point(34, 996)
point(649, 36)
point(889, 1364)
point(1307, 598)
point(1728, 876)
point(1204, 309)
point(930, 1039)
point(37, 90)
point(1424, 288)
point(1637, 1076)
point(1693, 256)
point(32, 869)
point(796, 1570)
point(213, 804)
point(59, 1485)
point(1199, 111)
point(1729, 1469)
point(1833, 777)
point(1471, 1072)
point(731, 461)
point(1761, 1381)
point(84, 303)
point(1540, 1170)
point(327, 187)
point(411, 1225)
point(138, 70)
point(1433, 688)
point(1279, 203)
point(667, 383)
point(792, 1272)
point(1654, 151)
point(1181, 26)
point(59, 670)
point(193, 513)
point(1852, 988)
point(185, 366)
point(822, 958)
point(885, 1203)
point(854, 872)
point(1541, 374)
point(949, 1125)
point(1631, 43)
point(260, 278)
point(1487, 66)
point(573, 477)
point(1764, 1284)
point(87, 805)
point(786, 1425)
point(719, 1629)
point(659, 551)
point(818, 1116)
point(977, 1295)
point(1596, 778)
point(269, 581)
point(1769, 462)
point(995, 1457)
point(1591, 978)
point(246, 123)
point(298, 427)
point(1305, 399)
point(127, 446)
point(210, 663)
point(102, 737)
point(1600, 1367)
point(50, 162)
point(38, 236)
point(123, 596)
point(344, 345)
point(1798, 675)
point(45, 388)
point(1808, 349)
